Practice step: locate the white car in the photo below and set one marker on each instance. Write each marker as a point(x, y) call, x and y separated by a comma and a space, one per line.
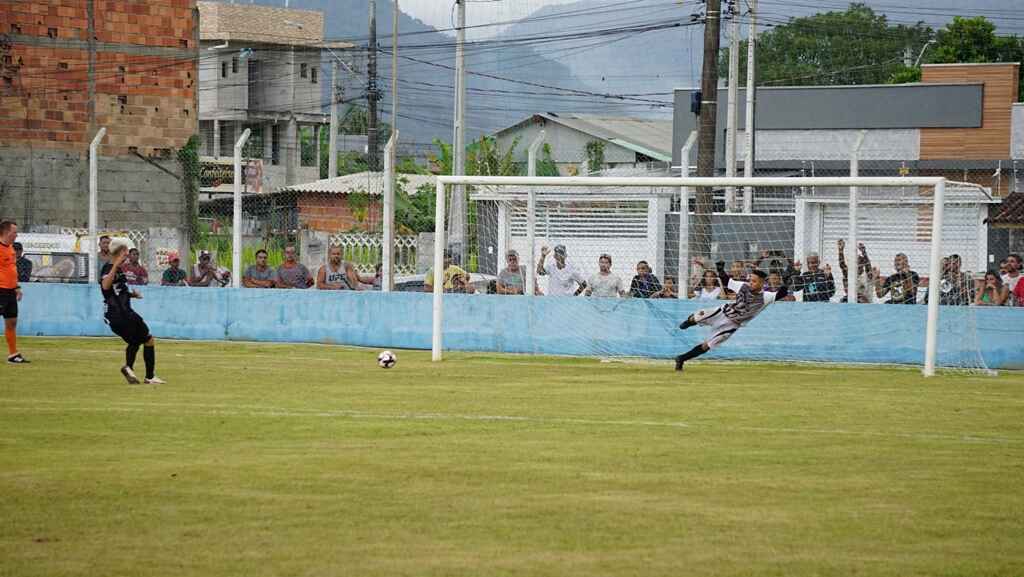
point(414, 283)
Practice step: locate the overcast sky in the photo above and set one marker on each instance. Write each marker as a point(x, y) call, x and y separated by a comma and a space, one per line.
point(438, 13)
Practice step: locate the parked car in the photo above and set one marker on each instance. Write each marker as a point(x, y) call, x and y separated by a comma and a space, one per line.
point(414, 283)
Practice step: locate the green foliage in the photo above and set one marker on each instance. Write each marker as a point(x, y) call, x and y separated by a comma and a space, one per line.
point(546, 164)
point(188, 159)
point(485, 158)
point(905, 75)
point(595, 156)
point(857, 46)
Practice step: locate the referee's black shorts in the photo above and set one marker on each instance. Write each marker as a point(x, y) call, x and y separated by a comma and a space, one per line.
point(8, 303)
point(130, 327)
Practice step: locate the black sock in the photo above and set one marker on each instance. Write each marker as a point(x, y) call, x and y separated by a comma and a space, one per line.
point(129, 355)
point(693, 353)
point(149, 355)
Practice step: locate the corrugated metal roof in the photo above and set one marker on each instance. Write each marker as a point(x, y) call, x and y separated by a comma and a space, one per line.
point(371, 183)
point(264, 24)
point(647, 136)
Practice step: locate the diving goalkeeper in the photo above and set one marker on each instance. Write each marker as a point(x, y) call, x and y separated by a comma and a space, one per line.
point(724, 320)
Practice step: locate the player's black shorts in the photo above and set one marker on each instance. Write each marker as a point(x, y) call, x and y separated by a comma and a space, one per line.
point(130, 327)
point(8, 303)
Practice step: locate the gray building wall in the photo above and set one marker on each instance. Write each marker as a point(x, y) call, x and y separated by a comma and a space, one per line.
point(47, 188)
point(280, 85)
point(841, 108)
point(568, 146)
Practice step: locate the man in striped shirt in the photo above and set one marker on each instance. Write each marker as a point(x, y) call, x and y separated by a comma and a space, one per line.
point(724, 320)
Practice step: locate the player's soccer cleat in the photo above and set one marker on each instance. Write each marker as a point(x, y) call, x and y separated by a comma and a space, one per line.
point(679, 363)
point(686, 324)
point(129, 375)
point(17, 359)
point(156, 381)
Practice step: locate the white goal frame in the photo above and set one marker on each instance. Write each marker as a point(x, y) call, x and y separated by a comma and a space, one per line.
point(686, 184)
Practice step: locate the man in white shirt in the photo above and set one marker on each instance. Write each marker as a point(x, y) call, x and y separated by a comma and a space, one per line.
point(605, 283)
point(563, 276)
point(1012, 276)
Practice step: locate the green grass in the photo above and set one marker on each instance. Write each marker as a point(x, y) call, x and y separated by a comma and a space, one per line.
point(310, 461)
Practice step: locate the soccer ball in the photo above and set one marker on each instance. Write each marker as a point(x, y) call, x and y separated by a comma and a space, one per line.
point(386, 360)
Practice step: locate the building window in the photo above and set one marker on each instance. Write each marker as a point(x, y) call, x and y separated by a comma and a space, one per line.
point(303, 70)
point(223, 69)
point(234, 65)
point(15, 29)
point(121, 74)
point(314, 75)
point(275, 144)
point(51, 32)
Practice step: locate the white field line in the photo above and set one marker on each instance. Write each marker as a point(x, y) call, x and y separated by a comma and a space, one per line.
point(201, 410)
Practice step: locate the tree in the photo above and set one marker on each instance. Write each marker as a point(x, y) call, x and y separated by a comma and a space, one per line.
point(975, 40)
point(857, 46)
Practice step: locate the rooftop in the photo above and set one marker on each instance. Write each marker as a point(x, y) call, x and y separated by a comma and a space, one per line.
point(650, 137)
point(371, 183)
point(264, 24)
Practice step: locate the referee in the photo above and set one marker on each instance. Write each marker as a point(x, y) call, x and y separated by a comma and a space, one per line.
point(10, 291)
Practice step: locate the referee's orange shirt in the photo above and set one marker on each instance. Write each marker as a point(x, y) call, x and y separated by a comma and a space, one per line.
point(8, 267)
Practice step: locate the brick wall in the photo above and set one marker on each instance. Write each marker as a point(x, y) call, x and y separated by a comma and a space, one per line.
point(332, 213)
point(143, 86)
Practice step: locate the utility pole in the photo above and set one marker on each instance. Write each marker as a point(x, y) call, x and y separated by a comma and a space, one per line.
point(708, 127)
point(332, 158)
point(372, 94)
point(730, 131)
point(457, 222)
point(750, 130)
point(394, 72)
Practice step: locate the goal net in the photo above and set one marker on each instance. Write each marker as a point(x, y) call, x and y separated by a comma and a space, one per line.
point(609, 267)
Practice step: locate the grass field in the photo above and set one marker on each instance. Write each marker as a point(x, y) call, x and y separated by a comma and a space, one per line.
point(310, 461)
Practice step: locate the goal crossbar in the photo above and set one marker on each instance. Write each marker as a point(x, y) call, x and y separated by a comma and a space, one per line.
point(938, 184)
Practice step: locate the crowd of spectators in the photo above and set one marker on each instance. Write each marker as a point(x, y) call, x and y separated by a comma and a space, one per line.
point(809, 281)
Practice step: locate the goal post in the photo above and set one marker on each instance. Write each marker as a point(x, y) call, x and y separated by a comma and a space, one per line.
point(571, 194)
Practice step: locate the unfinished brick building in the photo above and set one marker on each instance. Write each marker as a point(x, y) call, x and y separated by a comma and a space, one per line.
point(69, 67)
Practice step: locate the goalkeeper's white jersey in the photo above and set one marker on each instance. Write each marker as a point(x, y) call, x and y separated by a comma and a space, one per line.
point(748, 304)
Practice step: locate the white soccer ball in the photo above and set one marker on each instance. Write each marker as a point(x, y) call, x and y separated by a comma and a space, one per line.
point(386, 360)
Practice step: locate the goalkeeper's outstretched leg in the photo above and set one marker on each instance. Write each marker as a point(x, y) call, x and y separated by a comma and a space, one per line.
point(722, 327)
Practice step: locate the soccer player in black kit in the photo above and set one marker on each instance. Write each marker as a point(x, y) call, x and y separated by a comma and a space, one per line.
point(125, 322)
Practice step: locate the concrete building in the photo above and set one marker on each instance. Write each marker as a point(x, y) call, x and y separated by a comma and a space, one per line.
point(626, 142)
point(68, 68)
point(963, 121)
point(262, 68)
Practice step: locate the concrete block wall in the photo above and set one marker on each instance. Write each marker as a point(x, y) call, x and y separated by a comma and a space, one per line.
point(46, 187)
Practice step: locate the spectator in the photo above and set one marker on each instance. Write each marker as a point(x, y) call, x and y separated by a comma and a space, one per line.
point(777, 261)
point(173, 276)
point(134, 272)
point(1012, 277)
point(206, 273)
point(1002, 267)
point(23, 264)
point(865, 284)
point(645, 284)
point(259, 275)
point(710, 287)
point(901, 287)
point(378, 277)
point(461, 284)
point(604, 283)
point(816, 285)
point(292, 274)
point(668, 291)
point(512, 279)
point(564, 276)
point(1018, 294)
point(993, 293)
point(451, 270)
point(104, 255)
point(956, 288)
point(336, 274)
